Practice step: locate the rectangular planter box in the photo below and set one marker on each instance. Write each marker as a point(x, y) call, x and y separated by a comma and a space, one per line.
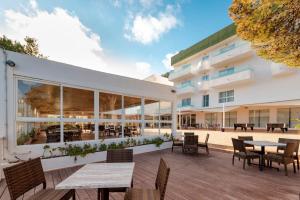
point(68, 161)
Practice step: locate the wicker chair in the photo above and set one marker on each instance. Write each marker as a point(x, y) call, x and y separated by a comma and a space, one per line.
point(28, 175)
point(286, 158)
point(190, 144)
point(118, 156)
point(205, 144)
point(189, 134)
point(160, 186)
point(249, 147)
point(176, 142)
point(241, 152)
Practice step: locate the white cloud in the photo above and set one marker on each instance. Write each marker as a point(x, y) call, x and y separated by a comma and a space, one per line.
point(144, 68)
point(62, 37)
point(150, 3)
point(147, 29)
point(167, 60)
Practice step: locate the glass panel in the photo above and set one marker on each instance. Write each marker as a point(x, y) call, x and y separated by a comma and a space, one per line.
point(110, 106)
point(77, 131)
point(165, 128)
point(132, 107)
point(283, 115)
point(295, 117)
point(151, 109)
point(37, 132)
point(230, 119)
point(110, 130)
point(132, 129)
point(264, 118)
point(211, 119)
point(166, 110)
point(78, 103)
point(151, 128)
point(38, 100)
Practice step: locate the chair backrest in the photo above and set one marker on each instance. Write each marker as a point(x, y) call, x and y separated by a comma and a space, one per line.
point(191, 140)
point(246, 138)
point(189, 133)
point(119, 155)
point(238, 145)
point(23, 177)
point(206, 139)
point(162, 178)
point(286, 140)
point(289, 150)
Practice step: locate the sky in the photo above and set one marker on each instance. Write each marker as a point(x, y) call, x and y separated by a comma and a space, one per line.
point(134, 38)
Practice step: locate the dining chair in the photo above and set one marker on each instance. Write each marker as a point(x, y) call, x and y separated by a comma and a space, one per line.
point(240, 151)
point(176, 142)
point(28, 175)
point(189, 133)
point(160, 186)
point(190, 144)
point(205, 144)
point(249, 147)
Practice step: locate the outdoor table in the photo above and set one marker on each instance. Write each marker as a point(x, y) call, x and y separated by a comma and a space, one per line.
point(263, 144)
point(101, 176)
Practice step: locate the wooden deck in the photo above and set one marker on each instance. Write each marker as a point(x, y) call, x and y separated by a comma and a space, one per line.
point(197, 177)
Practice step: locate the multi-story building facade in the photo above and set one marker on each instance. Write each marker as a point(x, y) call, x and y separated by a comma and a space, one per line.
point(222, 73)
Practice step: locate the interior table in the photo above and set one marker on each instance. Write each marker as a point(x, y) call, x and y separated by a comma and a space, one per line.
point(101, 176)
point(263, 144)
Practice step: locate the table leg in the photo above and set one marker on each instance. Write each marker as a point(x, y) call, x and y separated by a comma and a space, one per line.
point(105, 194)
point(262, 158)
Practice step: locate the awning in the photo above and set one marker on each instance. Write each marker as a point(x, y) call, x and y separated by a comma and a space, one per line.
point(219, 109)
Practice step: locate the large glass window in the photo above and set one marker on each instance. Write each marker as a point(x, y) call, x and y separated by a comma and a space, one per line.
point(38, 100)
point(77, 131)
point(132, 108)
point(227, 96)
point(151, 109)
point(259, 117)
point(110, 130)
point(132, 129)
point(230, 118)
point(78, 103)
point(211, 119)
point(205, 101)
point(289, 116)
point(110, 106)
point(165, 111)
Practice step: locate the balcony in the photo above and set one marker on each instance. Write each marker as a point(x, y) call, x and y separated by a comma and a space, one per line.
point(280, 69)
point(182, 72)
point(237, 76)
point(184, 107)
point(203, 86)
point(185, 88)
point(203, 66)
point(231, 53)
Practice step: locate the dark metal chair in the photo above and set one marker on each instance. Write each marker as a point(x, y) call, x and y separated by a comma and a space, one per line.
point(160, 186)
point(28, 175)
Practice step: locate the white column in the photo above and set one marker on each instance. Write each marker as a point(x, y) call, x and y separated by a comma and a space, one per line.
point(143, 116)
point(174, 117)
point(123, 117)
point(61, 114)
point(96, 113)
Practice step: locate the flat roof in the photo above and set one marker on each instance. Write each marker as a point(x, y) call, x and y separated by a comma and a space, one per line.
point(211, 40)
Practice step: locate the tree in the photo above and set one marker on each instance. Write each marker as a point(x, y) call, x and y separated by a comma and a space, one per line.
point(272, 27)
point(30, 47)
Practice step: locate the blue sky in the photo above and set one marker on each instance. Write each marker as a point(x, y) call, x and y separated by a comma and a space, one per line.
point(128, 37)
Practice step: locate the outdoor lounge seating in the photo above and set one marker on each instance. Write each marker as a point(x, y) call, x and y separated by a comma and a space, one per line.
point(281, 126)
point(285, 158)
point(243, 126)
point(241, 152)
point(190, 144)
point(249, 147)
point(28, 175)
point(160, 186)
point(204, 144)
point(189, 133)
point(176, 142)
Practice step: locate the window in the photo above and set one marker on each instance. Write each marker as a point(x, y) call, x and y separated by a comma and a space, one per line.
point(230, 118)
point(132, 107)
point(226, 72)
point(110, 106)
point(205, 58)
point(186, 102)
point(185, 84)
point(205, 78)
point(38, 100)
point(227, 96)
point(205, 101)
point(289, 116)
point(211, 119)
point(259, 118)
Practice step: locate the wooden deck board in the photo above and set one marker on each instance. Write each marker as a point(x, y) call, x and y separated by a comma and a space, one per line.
point(197, 177)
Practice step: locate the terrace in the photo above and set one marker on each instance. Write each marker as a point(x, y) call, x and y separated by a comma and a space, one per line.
point(195, 177)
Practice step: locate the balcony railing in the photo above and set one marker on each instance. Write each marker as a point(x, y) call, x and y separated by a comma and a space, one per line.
point(184, 107)
point(185, 88)
point(183, 72)
point(238, 75)
point(231, 53)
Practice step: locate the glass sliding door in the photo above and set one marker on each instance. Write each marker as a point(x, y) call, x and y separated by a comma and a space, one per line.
point(259, 118)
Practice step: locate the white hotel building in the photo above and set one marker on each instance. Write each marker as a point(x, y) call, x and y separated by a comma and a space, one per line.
point(223, 69)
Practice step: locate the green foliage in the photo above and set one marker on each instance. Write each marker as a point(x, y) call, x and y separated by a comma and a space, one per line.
point(23, 138)
point(157, 141)
point(103, 147)
point(166, 75)
point(30, 47)
point(272, 26)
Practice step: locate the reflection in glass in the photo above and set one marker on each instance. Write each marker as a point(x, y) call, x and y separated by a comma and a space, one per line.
point(110, 130)
point(38, 100)
point(165, 111)
point(132, 108)
point(110, 106)
point(78, 103)
point(151, 109)
point(151, 128)
point(77, 131)
point(132, 129)
point(37, 132)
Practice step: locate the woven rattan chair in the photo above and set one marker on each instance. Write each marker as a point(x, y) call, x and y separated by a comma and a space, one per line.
point(189, 134)
point(239, 151)
point(249, 147)
point(160, 186)
point(286, 158)
point(26, 176)
point(190, 144)
point(205, 144)
point(176, 142)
